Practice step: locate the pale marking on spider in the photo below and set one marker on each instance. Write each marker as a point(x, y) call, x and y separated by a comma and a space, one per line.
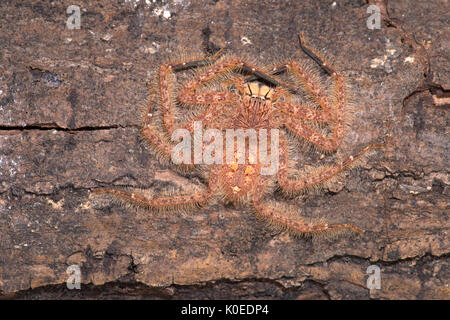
point(259, 101)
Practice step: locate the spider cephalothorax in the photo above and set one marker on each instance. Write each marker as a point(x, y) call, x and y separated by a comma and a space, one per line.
point(237, 96)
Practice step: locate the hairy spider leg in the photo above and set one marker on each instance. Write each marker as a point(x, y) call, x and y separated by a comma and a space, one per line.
point(167, 101)
point(166, 88)
point(298, 226)
point(163, 148)
point(338, 114)
point(149, 132)
point(321, 174)
point(328, 113)
point(169, 202)
point(295, 226)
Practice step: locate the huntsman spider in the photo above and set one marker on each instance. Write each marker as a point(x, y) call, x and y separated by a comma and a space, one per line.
point(234, 94)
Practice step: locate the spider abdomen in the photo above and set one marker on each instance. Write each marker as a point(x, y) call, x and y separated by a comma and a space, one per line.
point(237, 180)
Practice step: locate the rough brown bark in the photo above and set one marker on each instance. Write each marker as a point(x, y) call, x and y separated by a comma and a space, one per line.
point(69, 102)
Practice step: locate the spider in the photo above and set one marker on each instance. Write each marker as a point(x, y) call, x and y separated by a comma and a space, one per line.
point(234, 94)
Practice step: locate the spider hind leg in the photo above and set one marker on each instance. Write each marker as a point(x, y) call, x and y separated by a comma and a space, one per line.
point(285, 218)
point(142, 198)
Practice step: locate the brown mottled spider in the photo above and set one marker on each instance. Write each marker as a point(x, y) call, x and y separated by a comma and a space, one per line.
point(236, 94)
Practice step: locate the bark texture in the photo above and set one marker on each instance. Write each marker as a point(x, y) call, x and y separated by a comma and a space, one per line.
point(69, 106)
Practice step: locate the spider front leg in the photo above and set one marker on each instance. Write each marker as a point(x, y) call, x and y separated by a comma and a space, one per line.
point(188, 94)
point(291, 221)
point(331, 111)
point(328, 113)
point(334, 114)
point(167, 101)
